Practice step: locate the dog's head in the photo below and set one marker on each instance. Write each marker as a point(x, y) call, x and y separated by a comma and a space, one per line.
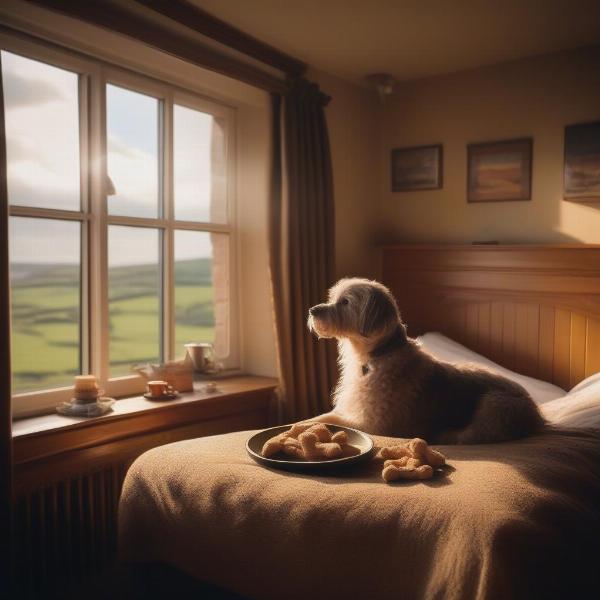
point(358, 309)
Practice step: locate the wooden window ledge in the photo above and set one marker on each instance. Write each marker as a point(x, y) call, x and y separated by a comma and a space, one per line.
point(242, 402)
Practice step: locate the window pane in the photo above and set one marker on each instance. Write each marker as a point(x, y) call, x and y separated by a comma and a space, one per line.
point(134, 297)
point(202, 290)
point(42, 133)
point(133, 145)
point(45, 263)
point(199, 166)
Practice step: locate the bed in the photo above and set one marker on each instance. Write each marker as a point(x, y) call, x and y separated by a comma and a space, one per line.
point(512, 520)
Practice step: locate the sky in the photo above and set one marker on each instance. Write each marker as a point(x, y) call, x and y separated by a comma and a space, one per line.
point(41, 106)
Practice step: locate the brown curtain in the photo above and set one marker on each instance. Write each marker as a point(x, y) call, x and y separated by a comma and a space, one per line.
point(5, 376)
point(302, 247)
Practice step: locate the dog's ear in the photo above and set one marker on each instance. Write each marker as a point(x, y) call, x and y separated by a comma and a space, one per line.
point(377, 312)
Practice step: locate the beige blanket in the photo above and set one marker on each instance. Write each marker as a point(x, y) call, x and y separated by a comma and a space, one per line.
point(513, 520)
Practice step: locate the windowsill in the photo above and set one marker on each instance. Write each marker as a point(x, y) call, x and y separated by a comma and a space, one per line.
point(40, 437)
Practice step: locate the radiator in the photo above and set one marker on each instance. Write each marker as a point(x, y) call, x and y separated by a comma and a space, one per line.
point(66, 533)
point(68, 483)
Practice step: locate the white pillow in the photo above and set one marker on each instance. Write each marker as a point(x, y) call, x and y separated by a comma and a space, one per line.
point(450, 351)
point(579, 408)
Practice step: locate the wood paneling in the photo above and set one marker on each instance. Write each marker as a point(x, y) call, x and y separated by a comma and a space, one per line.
point(533, 309)
point(546, 343)
point(592, 356)
point(562, 347)
point(578, 349)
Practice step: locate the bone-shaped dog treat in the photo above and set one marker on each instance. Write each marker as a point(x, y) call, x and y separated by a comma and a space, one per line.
point(298, 428)
point(273, 446)
point(315, 450)
point(393, 471)
point(412, 460)
point(292, 447)
point(321, 431)
point(422, 451)
point(340, 437)
point(395, 451)
point(310, 441)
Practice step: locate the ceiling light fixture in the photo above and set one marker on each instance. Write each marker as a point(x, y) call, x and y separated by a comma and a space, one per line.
point(384, 83)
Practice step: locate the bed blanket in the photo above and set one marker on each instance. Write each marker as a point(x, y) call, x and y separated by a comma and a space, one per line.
point(506, 521)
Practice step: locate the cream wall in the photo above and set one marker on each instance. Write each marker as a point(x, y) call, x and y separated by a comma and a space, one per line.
point(353, 124)
point(528, 98)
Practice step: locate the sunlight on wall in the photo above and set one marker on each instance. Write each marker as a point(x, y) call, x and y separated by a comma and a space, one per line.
point(535, 98)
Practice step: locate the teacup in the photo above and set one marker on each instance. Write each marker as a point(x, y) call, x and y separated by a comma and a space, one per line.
point(158, 388)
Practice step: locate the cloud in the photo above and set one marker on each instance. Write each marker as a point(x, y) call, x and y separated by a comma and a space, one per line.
point(116, 145)
point(22, 148)
point(20, 91)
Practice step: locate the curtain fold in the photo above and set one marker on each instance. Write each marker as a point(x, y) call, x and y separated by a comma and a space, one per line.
point(5, 375)
point(301, 247)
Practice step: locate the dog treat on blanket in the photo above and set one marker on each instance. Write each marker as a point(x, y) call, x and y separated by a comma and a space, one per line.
point(412, 460)
point(395, 451)
point(310, 441)
point(425, 454)
point(394, 471)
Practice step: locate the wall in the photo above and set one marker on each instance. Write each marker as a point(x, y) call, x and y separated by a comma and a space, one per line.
point(353, 123)
point(535, 97)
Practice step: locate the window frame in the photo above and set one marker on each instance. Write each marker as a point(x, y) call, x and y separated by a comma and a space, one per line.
point(94, 75)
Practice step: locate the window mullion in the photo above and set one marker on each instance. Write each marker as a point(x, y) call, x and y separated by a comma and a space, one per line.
point(168, 292)
point(98, 289)
point(84, 170)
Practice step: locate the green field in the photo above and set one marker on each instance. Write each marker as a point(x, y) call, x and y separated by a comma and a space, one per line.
point(46, 316)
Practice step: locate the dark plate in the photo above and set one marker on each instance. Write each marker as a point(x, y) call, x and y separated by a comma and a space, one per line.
point(355, 437)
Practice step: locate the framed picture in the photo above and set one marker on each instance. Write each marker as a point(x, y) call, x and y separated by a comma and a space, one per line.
point(499, 171)
point(582, 162)
point(417, 168)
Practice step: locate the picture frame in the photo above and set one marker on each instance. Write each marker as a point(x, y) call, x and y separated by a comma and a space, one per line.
point(417, 168)
point(499, 171)
point(581, 173)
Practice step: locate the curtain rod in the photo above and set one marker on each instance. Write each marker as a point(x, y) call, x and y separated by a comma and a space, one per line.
point(199, 20)
point(116, 18)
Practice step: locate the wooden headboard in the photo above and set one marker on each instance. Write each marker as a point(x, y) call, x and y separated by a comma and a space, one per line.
point(533, 309)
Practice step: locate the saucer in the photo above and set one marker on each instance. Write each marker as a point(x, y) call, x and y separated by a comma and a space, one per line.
point(168, 396)
point(73, 408)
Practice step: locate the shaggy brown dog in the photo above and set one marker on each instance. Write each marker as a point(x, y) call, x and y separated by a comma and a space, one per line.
point(389, 385)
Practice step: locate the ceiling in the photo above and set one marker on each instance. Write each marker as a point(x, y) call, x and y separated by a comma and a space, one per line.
point(412, 38)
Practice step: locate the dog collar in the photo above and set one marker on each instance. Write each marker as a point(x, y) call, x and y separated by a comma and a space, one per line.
point(395, 341)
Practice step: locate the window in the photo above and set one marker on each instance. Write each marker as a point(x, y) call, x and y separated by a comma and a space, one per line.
point(121, 240)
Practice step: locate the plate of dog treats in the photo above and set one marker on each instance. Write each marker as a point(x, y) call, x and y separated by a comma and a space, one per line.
point(310, 445)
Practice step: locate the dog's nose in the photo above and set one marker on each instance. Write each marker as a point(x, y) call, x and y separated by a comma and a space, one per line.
point(315, 310)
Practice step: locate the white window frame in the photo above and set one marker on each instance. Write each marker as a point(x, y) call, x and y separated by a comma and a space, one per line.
point(94, 75)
